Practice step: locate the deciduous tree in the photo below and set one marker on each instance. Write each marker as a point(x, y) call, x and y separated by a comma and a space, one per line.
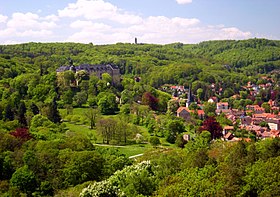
point(210, 124)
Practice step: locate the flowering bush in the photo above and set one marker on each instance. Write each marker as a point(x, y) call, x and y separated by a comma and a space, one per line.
point(133, 180)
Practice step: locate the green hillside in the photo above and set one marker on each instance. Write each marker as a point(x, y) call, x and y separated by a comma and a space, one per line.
point(64, 131)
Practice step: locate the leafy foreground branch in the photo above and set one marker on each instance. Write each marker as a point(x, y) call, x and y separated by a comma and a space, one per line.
point(135, 180)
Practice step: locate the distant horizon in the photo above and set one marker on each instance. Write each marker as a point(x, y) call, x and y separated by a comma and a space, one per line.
point(151, 21)
point(137, 43)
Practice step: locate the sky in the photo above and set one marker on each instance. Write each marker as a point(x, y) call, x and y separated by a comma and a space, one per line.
point(151, 21)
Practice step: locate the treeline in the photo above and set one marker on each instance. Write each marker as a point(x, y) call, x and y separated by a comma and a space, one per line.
point(229, 63)
point(39, 167)
point(138, 59)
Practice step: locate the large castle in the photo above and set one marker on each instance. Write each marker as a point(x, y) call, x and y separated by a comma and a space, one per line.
point(112, 70)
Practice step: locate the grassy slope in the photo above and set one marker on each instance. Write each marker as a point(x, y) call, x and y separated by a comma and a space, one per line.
point(82, 129)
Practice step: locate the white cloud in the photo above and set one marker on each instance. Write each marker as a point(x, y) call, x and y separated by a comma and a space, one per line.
point(101, 22)
point(7, 33)
point(100, 38)
point(98, 9)
point(81, 24)
point(52, 18)
point(154, 29)
point(184, 1)
point(3, 18)
point(26, 27)
point(90, 26)
point(29, 20)
point(35, 34)
point(234, 33)
point(162, 29)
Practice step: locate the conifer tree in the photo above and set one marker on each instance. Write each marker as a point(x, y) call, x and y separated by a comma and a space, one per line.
point(21, 114)
point(53, 114)
point(9, 114)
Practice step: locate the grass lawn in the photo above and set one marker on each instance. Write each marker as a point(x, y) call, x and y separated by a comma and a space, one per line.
point(76, 111)
point(135, 149)
point(81, 112)
point(128, 150)
point(84, 130)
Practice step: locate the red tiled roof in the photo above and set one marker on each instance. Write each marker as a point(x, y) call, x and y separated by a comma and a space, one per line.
point(271, 116)
point(180, 109)
point(222, 103)
point(200, 112)
point(228, 127)
point(228, 135)
point(262, 115)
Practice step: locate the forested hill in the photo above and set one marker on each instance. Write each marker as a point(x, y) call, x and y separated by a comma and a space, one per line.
point(166, 63)
point(62, 132)
point(240, 53)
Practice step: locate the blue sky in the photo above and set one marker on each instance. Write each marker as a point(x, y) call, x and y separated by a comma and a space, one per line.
point(151, 21)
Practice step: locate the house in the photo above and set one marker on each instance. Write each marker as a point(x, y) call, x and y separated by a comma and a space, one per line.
point(237, 113)
point(231, 117)
point(275, 133)
point(255, 129)
point(226, 129)
point(226, 132)
point(224, 111)
point(265, 134)
point(184, 113)
point(273, 123)
point(222, 106)
point(200, 113)
point(258, 118)
point(246, 120)
point(228, 136)
point(256, 109)
point(178, 88)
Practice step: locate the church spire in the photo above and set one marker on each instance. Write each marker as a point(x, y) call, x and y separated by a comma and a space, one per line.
point(190, 96)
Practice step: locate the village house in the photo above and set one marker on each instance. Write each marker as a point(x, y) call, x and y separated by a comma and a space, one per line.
point(222, 106)
point(185, 113)
point(178, 88)
point(275, 133)
point(249, 119)
point(226, 129)
point(231, 117)
point(200, 113)
point(228, 136)
point(256, 109)
point(227, 132)
point(273, 123)
point(246, 120)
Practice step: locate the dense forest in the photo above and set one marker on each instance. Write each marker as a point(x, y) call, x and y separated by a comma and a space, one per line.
point(63, 134)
